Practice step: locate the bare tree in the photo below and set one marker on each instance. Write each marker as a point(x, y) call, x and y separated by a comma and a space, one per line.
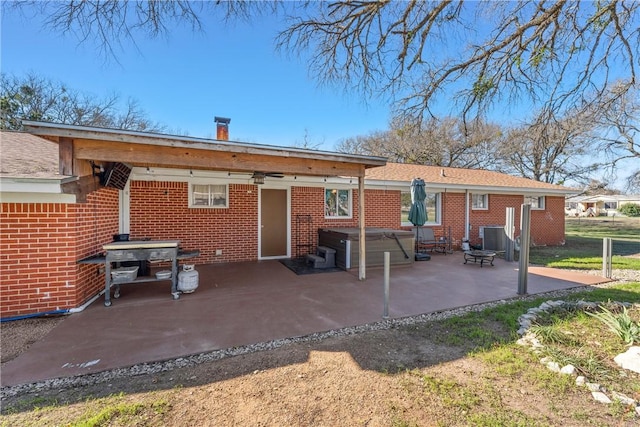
point(425, 56)
point(476, 53)
point(553, 149)
point(307, 142)
point(445, 142)
point(36, 98)
point(617, 116)
point(633, 182)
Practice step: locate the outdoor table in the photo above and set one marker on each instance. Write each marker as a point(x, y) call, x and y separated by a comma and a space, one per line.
point(478, 255)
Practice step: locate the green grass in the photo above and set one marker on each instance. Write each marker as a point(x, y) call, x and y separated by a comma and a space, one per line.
point(119, 409)
point(583, 247)
point(569, 337)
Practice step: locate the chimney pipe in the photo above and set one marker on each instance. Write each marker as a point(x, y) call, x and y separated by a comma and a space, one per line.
point(222, 128)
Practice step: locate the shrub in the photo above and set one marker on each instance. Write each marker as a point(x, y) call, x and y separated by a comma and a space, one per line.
point(619, 323)
point(629, 209)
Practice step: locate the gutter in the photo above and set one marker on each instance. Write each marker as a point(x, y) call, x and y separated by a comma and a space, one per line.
point(461, 188)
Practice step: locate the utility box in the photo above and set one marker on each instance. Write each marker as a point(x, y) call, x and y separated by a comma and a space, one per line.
point(494, 238)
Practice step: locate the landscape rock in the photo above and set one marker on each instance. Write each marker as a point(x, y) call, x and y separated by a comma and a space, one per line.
point(622, 398)
point(630, 359)
point(568, 370)
point(600, 397)
point(593, 387)
point(553, 366)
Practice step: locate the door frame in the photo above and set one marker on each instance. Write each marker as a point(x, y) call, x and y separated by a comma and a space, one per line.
point(274, 186)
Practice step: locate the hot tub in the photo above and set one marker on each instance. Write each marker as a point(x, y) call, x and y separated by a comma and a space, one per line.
point(346, 241)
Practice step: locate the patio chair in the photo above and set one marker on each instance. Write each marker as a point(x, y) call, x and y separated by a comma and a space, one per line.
point(426, 240)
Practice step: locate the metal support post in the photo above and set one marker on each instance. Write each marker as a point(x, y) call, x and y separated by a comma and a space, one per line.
point(525, 237)
point(607, 253)
point(387, 262)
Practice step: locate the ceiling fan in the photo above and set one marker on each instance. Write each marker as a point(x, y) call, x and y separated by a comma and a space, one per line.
point(258, 177)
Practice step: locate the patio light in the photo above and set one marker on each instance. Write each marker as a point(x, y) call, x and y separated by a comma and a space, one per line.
point(258, 178)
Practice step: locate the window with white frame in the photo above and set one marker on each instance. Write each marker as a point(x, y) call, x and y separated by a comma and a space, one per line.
point(611, 205)
point(208, 196)
point(337, 203)
point(431, 204)
point(536, 202)
point(480, 201)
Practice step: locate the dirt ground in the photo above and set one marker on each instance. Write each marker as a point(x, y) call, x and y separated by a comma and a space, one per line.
point(396, 377)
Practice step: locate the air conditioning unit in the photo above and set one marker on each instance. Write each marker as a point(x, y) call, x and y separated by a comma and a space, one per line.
point(494, 238)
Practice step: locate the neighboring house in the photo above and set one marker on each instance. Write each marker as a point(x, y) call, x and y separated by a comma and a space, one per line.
point(598, 205)
point(462, 202)
point(67, 190)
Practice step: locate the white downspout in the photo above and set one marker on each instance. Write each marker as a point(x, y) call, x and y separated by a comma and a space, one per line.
point(466, 214)
point(124, 209)
point(362, 268)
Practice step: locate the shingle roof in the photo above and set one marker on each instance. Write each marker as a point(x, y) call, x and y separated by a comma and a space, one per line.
point(458, 177)
point(23, 155)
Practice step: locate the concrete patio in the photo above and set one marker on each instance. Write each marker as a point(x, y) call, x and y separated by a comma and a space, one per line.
point(246, 303)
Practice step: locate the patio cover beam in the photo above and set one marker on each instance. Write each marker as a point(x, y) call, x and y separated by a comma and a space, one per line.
point(179, 157)
point(136, 148)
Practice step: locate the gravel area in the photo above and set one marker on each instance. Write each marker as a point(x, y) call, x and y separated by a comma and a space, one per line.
point(17, 336)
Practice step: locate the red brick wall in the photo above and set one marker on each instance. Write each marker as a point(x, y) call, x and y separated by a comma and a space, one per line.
point(547, 226)
point(160, 210)
point(495, 215)
point(382, 209)
point(40, 244)
point(36, 258)
point(97, 221)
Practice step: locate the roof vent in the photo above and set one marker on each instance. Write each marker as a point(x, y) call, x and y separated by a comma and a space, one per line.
point(222, 128)
point(442, 173)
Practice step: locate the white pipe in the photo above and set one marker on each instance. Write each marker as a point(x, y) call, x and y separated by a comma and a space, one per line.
point(86, 304)
point(466, 214)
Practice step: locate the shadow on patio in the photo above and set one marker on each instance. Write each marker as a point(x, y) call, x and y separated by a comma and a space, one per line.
point(246, 303)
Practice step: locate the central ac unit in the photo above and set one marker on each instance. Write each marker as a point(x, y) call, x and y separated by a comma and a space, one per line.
point(495, 239)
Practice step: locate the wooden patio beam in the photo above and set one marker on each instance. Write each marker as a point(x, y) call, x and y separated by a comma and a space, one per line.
point(65, 156)
point(183, 157)
point(81, 187)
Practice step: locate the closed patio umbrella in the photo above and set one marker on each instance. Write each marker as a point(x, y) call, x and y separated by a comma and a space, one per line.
point(418, 213)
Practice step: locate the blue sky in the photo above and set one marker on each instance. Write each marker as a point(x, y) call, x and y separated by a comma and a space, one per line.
point(187, 78)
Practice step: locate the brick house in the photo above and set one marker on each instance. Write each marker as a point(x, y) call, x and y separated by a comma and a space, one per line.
point(67, 190)
point(462, 202)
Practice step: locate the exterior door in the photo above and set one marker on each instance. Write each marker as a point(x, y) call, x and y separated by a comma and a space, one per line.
point(273, 223)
